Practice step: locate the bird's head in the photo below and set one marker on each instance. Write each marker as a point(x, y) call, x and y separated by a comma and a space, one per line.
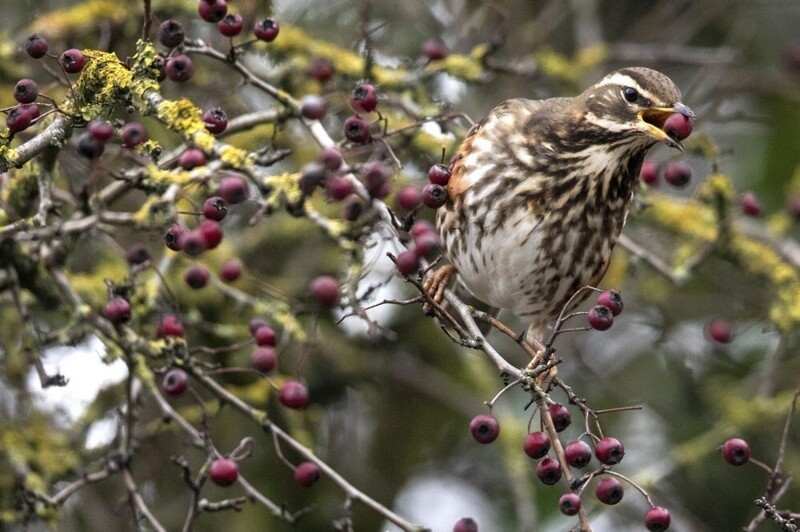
point(635, 101)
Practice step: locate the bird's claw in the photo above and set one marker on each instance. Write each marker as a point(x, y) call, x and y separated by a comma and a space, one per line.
point(435, 285)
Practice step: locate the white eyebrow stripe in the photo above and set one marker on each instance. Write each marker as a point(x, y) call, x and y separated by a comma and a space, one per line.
point(626, 81)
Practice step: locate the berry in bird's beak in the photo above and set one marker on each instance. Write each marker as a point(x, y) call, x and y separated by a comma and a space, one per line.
point(669, 124)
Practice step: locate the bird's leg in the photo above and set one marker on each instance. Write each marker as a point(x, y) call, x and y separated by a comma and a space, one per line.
point(436, 284)
point(533, 334)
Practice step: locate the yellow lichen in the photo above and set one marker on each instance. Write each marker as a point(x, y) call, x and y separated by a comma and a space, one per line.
point(686, 218)
point(154, 213)
point(467, 67)
point(21, 189)
point(235, 157)
point(103, 82)
point(182, 116)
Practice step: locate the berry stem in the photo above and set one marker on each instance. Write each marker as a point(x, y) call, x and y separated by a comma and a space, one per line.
point(632, 483)
point(510, 385)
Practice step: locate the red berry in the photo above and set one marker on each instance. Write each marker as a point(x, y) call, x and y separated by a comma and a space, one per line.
point(192, 158)
point(264, 335)
point(72, 60)
point(560, 416)
point(293, 394)
point(312, 106)
point(407, 263)
point(609, 490)
point(132, 134)
point(196, 276)
point(215, 208)
point(175, 382)
point(117, 310)
point(794, 206)
point(536, 445)
point(266, 29)
point(331, 158)
point(434, 196)
point(612, 300)
point(649, 173)
point(484, 428)
point(170, 33)
point(321, 69)
point(137, 254)
point(18, 119)
point(313, 176)
point(356, 129)
point(169, 325)
point(26, 90)
point(231, 25)
point(750, 204)
point(231, 270)
point(33, 109)
point(172, 238)
point(192, 242)
point(465, 524)
point(408, 198)
point(657, 519)
point(678, 126)
point(233, 189)
point(264, 359)
point(719, 330)
point(307, 474)
point(212, 233)
point(434, 49)
point(427, 245)
point(339, 187)
point(325, 289)
point(364, 98)
point(215, 120)
point(421, 227)
point(578, 453)
point(223, 471)
point(600, 317)
point(569, 504)
point(90, 147)
point(439, 174)
point(609, 451)
point(179, 68)
point(101, 130)
point(678, 174)
point(376, 178)
point(212, 10)
point(548, 471)
point(736, 451)
point(36, 46)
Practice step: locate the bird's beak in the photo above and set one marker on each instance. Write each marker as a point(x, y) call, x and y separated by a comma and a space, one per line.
point(652, 122)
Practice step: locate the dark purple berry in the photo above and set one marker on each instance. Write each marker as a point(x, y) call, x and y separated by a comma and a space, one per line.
point(192, 242)
point(102, 130)
point(215, 120)
point(536, 445)
point(90, 147)
point(364, 98)
point(321, 69)
point(175, 382)
point(170, 33)
point(312, 106)
point(578, 453)
point(439, 174)
point(117, 310)
point(408, 198)
point(179, 68)
point(609, 451)
point(325, 290)
point(231, 270)
point(548, 471)
point(307, 474)
point(331, 158)
point(233, 189)
point(172, 238)
point(569, 504)
point(427, 245)
point(36, 46)
point(657, 519)
point(293, 394)
point(212, 10)
point(231, 25)
point(18, 119)
point(678, 174)
point(223, 471)
point(196, 276)
point(612, 300)
point(353, 208)
point(649, 173)
point(356, 129)
point(33, 110)
point(26, 90)
point(560, 416)
point(132, 134)
point(600, 317)
point(215, 208)
point(339, 187)
point(434, 196)
point(678, 126)
point(609, 490)
point(266, 29)
point(72, 60)
point(192, 158)
point(137, 254)
point(465, 524)
point(407, 263)
point(264, 359)
point(736, 451)
point(484, 428)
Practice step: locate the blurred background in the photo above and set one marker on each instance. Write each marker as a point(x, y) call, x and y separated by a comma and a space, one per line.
point(391, 413)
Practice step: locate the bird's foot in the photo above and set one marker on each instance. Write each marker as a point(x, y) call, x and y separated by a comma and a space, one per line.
point(538, 363)
point(436, 284)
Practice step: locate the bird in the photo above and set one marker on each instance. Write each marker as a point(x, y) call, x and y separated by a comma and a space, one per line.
point(540, 190)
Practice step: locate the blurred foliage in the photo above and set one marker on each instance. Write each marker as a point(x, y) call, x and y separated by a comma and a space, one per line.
point(388, 411)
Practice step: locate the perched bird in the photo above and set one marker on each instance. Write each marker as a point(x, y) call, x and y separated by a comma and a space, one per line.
point(540, 190)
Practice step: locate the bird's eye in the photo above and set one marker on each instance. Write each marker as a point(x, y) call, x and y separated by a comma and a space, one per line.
point(630, 94)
